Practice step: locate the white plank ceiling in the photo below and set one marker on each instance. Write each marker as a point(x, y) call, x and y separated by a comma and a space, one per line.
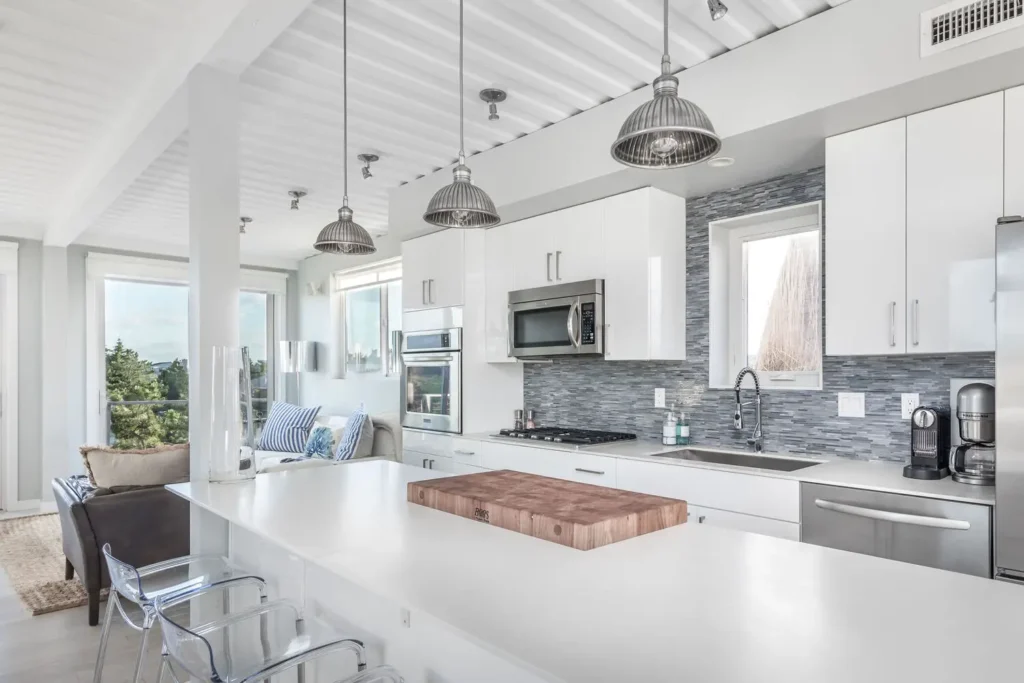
point(67, 66)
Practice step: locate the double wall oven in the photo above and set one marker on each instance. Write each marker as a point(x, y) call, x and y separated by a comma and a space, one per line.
point(560, 320)
point(432, 380)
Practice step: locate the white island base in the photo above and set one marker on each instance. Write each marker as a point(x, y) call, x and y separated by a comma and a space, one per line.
point(446, 599)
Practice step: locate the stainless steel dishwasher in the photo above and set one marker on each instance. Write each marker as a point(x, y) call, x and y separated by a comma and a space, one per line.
point(934, 533)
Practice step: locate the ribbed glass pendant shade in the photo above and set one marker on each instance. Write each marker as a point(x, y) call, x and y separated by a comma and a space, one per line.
point(461, 204)
point(344, 236)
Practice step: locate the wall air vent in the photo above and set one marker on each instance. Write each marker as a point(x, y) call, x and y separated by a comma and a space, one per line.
point(961, 22)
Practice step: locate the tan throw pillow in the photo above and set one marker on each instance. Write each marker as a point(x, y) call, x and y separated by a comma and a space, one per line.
point(108, 467)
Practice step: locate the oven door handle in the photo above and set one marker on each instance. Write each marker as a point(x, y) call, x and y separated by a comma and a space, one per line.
point(569, 324)
point(414, 361)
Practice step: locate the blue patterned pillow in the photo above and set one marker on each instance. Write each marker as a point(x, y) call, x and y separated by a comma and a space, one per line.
point(320, 443)
point(357, 440)
point(287, 428)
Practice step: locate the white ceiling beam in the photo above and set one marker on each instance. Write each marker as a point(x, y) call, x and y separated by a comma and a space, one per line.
point(228, 35)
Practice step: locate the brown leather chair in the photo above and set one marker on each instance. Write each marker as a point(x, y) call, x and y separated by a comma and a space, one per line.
point(143, 525)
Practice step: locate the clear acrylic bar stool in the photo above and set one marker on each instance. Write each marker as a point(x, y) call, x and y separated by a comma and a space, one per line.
point(228, 650)
point(144, 586)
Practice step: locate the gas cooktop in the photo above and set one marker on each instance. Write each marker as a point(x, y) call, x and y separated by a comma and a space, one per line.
point(567, 435)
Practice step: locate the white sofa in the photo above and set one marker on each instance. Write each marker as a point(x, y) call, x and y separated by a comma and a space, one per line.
point(387, 436)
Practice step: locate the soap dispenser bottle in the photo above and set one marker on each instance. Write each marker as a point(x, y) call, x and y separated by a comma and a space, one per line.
point(668, 430)
point(683, 430)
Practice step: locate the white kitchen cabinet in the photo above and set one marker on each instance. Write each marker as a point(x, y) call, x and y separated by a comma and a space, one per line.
point(954, 195)
point(588, 468)
point(532, 252)
point(431, 443)
point(578, 243)
point(723, 519)
point(1013, 182)
point(463, 468)
point(499, 248)
point(428, 461)
point(866, 241)
point(433, 271)
point(645, 276)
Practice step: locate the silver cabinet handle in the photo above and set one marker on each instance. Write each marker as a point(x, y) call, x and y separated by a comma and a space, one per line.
point(700, 520)
point(424, 463)
point(897, 517)
point(549, 266)
point(464, 452)
point(558, 265)
point(915, 321)
point(423, 292)
point(430, 291)
point(586, 471)
point(431, 466)
point(892, 323)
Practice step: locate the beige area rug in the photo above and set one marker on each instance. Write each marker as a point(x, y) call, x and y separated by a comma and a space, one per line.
point(32, 557)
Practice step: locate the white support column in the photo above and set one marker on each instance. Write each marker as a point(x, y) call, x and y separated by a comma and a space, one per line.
point(214, 266)
point(56, 450)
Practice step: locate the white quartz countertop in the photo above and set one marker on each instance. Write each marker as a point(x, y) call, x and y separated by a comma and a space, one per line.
point(875, 475)
point(690, 603)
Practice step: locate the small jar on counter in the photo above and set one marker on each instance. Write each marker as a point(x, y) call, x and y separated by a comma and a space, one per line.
point(530, 424)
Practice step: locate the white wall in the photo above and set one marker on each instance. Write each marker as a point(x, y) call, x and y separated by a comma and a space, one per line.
point(339, 396)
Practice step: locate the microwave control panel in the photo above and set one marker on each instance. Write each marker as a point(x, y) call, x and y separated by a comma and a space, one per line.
point(588, 333)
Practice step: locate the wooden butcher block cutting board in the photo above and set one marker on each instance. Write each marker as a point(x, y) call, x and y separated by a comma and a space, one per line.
point(580, 516)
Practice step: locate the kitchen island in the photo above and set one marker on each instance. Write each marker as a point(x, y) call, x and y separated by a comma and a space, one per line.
point(449, 599)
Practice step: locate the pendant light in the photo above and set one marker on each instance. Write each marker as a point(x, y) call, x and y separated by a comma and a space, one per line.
point(345, 236)
point(461, 204)
point(668, 131)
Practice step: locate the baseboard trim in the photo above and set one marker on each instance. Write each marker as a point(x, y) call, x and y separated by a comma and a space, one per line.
point(47, 507)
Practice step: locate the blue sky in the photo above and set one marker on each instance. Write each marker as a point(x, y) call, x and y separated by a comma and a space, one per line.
point(153, 320)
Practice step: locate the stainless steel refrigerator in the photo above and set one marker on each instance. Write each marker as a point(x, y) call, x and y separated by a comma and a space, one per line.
point(1009, 512)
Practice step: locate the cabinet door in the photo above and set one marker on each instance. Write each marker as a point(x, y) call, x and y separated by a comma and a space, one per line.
point(724, 519)
point(416, 458)
point(578, 243)
point(627, 309)
point(465, 468)
point(415, 273)
point(954, 195)
point(866, 241)
point(441, 463)
point(1013, 194)
point(533, 253)
point(446, 269)
point(499, 274)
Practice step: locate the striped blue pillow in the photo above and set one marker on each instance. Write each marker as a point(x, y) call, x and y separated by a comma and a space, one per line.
point(357, 440)
point(287, 428)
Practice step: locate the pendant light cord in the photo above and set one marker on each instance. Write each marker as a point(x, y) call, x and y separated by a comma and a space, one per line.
point(344, 72)
point(462, 115)
point(664, 26)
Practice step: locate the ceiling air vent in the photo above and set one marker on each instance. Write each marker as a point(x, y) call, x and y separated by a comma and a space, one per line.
point(958, 23)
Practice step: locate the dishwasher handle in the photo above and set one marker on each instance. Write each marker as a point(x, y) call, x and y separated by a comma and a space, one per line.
point(897, 517)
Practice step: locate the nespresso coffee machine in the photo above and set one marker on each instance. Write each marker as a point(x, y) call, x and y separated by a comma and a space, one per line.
point(929, 444)
point(973, 460)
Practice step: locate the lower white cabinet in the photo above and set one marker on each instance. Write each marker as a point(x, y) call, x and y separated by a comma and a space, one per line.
point(734, 520)
point(429, 461)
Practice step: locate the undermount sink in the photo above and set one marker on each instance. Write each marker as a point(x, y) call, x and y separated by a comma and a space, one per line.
point(764, 462)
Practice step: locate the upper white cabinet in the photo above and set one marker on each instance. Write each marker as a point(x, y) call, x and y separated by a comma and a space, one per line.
point(910, 232)
point(954, 196)
point(866, 241)
point(1013, 194)
point(634, 241)
point(432, 271)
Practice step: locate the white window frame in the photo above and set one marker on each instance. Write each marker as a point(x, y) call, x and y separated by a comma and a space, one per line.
point(99, 267)
point(9, 380)
point(728, 292)
point(378, 274)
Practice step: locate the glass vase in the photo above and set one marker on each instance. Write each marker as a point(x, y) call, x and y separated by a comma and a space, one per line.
point(230, 425)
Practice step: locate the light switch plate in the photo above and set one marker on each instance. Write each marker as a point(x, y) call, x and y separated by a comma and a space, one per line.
point(851, 404)
point(908, 403)
point(659, 398)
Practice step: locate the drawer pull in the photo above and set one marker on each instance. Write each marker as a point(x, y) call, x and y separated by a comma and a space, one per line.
point(464, 452)
point(898, 517)
point(586, 471)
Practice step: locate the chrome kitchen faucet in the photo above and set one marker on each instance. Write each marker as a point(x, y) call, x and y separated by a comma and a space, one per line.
point(756, 440)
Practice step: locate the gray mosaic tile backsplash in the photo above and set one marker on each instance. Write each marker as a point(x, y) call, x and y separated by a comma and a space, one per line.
point(619, 396)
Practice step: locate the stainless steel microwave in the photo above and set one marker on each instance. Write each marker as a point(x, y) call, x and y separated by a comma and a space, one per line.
point(560, 320)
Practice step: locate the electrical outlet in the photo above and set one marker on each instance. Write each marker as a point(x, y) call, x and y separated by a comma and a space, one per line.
point(909, 403)
point(406, 618)
point(659, 398)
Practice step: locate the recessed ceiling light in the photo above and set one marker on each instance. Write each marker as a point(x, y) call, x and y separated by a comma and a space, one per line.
point(721, 162)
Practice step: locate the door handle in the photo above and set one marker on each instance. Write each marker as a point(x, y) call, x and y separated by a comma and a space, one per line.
point(892, 323)
point(915, 321)
point(700, 520)
point(569, 324)
point(549, 266)
point(423, 291)
point(430, 291)
point(464, 452)
point(424, 463)
point(586, 471)
point(897, 517)
point(431, 465)
point(558, 265)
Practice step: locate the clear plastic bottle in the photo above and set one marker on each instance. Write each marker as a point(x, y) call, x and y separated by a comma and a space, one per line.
point(683, 430)
point(668, 430)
